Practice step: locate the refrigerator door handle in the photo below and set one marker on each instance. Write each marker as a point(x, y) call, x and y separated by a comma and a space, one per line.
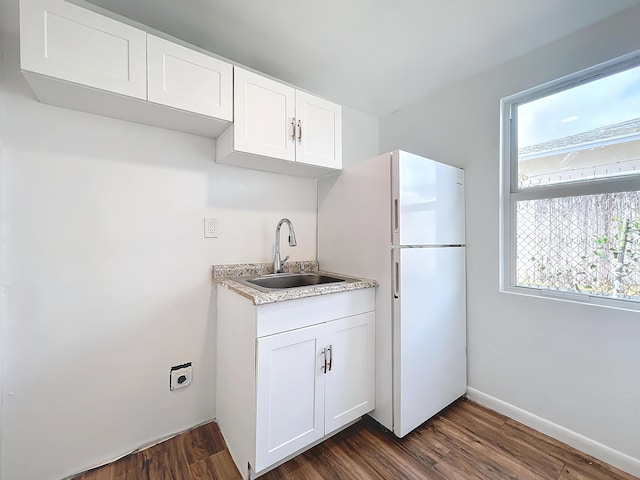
point(396, 280)
point(396, 215)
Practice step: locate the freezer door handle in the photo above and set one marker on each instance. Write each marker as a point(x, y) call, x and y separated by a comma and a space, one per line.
point(396, 215)
point(396, 280)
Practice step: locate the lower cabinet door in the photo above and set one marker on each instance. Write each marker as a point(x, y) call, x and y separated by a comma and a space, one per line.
point(350, 379)
point(290, 393)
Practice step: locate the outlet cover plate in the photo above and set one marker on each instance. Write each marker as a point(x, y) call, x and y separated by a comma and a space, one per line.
point(211, 227)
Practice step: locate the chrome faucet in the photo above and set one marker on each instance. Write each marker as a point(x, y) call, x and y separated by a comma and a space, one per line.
point(277, 263)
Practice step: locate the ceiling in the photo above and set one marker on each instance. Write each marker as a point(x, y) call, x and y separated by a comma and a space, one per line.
point(371, 55)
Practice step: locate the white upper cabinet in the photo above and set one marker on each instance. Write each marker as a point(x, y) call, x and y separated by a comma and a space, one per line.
point(76, 58)
point(183, 78)
point(318, 131)
point(79, 59)
point(280, 129)
point(264, 120)
point(71, 43)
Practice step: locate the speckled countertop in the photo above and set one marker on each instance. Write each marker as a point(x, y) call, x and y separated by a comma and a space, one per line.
point(224, 275)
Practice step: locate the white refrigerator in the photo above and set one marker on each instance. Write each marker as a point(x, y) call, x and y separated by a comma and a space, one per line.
point(399, 218)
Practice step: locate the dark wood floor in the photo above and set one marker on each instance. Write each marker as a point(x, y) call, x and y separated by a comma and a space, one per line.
point(464, 442)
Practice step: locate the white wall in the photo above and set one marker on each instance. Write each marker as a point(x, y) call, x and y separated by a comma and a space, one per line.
point(108, 276)
point(2, 254)
point(360, 138)
point(569, 369)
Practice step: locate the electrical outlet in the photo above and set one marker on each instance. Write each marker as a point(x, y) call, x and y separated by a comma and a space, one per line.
point(210, 227)
point(180, 376)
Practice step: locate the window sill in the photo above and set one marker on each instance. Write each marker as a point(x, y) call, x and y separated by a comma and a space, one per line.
point(596, 301)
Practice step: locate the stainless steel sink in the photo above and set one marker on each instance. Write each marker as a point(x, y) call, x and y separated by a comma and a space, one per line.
point(282, 281)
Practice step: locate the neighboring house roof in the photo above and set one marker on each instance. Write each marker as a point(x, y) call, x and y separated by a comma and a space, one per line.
point(609, 133)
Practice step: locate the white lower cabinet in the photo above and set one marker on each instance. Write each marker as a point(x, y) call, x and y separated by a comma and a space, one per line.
point(300, 397)
point(290, 393)
point(350, 381)
point(312, 373)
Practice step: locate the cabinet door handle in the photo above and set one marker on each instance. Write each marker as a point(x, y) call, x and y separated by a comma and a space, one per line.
point(324, 356)
point(293, 130)
point(330, 356)
point(299, 132)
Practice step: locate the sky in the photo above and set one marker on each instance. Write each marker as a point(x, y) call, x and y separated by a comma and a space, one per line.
point(602, 102)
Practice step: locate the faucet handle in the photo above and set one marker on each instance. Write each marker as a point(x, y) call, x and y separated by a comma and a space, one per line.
point(282, 262)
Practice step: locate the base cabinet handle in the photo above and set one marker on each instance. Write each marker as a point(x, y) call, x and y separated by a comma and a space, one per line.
point(324, 357)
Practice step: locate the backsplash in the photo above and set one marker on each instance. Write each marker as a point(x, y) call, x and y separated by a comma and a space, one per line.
point(248, 269)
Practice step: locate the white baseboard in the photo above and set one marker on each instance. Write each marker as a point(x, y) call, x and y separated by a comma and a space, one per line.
point(580, 442)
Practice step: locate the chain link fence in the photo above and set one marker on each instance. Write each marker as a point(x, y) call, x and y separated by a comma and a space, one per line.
point(587, 244)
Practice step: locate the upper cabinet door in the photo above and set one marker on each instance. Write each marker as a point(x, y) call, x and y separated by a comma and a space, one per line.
point(183, 78)
point(264, 116)
point(319, 131)
point(71, 43)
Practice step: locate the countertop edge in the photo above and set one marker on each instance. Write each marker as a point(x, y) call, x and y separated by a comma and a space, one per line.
point(261, 298)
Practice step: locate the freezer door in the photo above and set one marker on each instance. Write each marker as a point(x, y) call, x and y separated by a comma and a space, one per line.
point(429, 323)
point(428, 201)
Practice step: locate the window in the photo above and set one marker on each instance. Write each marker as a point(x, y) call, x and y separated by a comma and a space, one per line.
point(571, 187)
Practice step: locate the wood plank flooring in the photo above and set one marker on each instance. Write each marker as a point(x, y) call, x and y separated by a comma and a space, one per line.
point(464, 442)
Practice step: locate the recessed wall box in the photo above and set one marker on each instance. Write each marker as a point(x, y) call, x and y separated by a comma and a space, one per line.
point(180, 376)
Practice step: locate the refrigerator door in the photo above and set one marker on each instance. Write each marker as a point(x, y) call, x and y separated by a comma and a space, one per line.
point(428, 201)
point(429, 325)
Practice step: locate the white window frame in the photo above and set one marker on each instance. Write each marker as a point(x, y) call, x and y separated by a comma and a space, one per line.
point(510, 192)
